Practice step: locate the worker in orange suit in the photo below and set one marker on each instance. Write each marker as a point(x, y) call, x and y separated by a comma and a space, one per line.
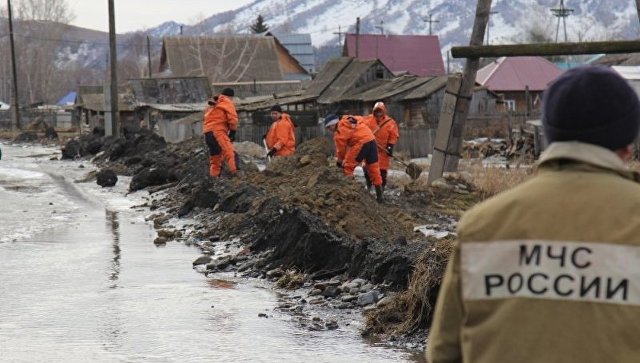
point(355, 144)
point(220, 125)
point(281, 137)
point(386, 131)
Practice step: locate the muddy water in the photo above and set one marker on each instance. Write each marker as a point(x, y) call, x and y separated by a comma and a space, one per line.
point(80, 281)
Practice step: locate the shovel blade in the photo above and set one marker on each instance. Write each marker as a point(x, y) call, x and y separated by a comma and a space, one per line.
point(413, 170)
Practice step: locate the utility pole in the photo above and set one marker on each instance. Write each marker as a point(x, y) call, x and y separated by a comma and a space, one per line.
point(339, 33)
point(149, 54)
point(455, 104)
point(489, 24)
point(638, 8)
point(113, 58)
point(428, 20)
point(357, 37)
point(562, 13)
point(15, 112)
point(380, 27)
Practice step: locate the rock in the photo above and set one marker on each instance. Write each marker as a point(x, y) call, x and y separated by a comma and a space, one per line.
point(359, 282)
point(160, 241)
point(349, 298)
point(366, 287)
point(169, 233)
point(331, 291)
point(354, 290)
point(71, 150)
point(331, 325)
point(315, 292)
point(263, 315)
point(344, 305)
point(368, 298)
point(214, 238)
point(219, 264)
point(305, 160)
point(150, 177)
point(106, 178)
point(202, 260)
point(316, 301)
point(159, 221)
point(275, 273)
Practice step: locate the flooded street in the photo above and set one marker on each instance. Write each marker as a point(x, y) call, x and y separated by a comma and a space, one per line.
point(81, 280)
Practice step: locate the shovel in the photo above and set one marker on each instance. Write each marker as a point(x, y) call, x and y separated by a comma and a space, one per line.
point(412, 169)
point(266, 148)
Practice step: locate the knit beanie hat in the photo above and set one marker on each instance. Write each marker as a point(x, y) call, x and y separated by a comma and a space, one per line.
point(228, 92)
point(331, 119)
point(276, 108)
point(591, 104)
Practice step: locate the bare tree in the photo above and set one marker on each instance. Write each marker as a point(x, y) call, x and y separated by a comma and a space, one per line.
point(39, 28)
point(45, 10)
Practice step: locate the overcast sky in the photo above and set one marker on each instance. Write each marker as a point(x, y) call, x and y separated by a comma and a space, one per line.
point(140, 14)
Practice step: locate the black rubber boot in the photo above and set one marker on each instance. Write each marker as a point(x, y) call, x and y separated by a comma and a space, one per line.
point(379, 194)
point(367, 180)
point(383, 174)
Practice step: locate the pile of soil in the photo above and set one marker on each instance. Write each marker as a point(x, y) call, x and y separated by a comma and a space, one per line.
point(309, 180)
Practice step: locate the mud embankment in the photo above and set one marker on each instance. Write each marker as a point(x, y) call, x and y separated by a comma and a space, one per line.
point(299, 213)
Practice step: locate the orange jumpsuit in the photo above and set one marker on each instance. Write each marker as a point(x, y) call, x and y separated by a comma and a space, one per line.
point(282, 136)
point(355, 143)
point(218, 121)
point(386, 133)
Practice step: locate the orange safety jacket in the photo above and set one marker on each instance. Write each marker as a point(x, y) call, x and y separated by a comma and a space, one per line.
point(385, 130)
point(281, 136)
point(351, 133)
point(222, 117)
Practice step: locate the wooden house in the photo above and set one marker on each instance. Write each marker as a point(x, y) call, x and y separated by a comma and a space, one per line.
point(229, 58)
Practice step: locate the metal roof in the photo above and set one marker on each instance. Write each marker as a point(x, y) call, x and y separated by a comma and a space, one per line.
point(227, 58)
point(518, 73)
point(300, 47)
point(176, 107)
point(347, 80)
point(427, 89)
point(383, 89)
point(417, 54)
point(327, 75)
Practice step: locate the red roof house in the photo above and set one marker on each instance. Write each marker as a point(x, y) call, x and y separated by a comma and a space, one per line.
point(513, 77)
point(415, 54)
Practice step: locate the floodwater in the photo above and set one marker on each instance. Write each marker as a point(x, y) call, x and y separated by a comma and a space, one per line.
point(81, 281)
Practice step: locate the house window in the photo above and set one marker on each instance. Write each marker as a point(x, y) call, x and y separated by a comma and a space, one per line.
point(379, 73)
point(510, 105)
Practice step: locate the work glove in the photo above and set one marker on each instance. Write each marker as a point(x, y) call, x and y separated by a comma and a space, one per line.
point(339, 164)
point(390, 149)
point(232, 135)
point(272, 152)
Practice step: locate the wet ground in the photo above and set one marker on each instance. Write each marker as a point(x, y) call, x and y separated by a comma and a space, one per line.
point(82, 281)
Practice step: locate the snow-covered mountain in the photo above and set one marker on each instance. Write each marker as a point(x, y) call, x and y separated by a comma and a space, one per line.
point(513, 20)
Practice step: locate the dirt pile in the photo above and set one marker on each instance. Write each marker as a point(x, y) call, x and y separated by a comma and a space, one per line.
point(309, 180)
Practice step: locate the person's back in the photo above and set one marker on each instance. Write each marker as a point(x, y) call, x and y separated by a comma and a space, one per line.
point(550, 270)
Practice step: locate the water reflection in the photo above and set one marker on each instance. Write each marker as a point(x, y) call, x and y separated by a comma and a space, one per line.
point(114, 225)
